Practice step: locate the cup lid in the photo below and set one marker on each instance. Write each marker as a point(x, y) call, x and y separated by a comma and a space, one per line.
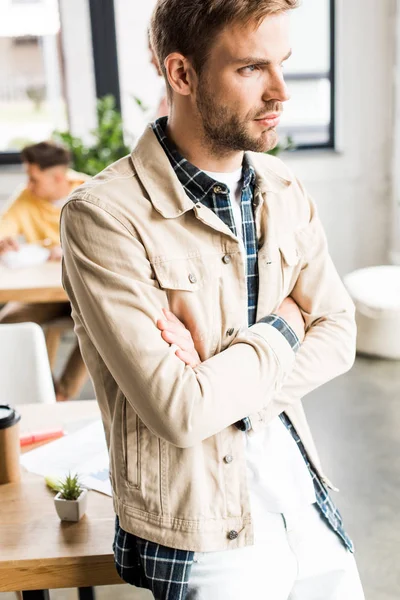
point(8, 416)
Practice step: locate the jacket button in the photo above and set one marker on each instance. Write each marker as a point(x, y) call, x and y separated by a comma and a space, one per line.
point(228, 459)
point(218, 189)
point(192, 278)
point(230, 331)
point(226, 259)
point(232, 535)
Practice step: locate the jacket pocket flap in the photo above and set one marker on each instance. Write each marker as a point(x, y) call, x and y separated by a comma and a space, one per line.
point(187, 274)
point(289, 250)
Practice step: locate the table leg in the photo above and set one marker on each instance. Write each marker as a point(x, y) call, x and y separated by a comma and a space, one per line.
point(87, 593)
point(36, 595)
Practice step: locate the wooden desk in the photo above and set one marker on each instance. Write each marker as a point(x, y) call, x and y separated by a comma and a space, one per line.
point(37, 550)
point(33, 284)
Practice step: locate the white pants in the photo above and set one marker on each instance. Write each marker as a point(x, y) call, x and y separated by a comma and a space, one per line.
point(300, 559)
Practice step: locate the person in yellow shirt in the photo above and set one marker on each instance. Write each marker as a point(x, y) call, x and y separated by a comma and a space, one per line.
point(34, 213)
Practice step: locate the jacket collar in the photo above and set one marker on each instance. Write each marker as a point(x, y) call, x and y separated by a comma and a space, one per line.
point(196, 183)
point(271, 173)
point(166, 193)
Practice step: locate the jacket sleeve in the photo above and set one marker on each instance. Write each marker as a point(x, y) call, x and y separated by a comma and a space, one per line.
point(330, 343)
point(110, 283)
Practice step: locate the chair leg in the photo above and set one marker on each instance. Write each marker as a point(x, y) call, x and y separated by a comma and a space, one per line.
point(53, 337)
point(36, 595)
point(87, 593)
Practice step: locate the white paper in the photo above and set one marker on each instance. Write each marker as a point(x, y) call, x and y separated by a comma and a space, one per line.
point(28, 255)
point(83, 452)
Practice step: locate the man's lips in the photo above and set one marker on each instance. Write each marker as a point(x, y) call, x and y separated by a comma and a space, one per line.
point(271, 120)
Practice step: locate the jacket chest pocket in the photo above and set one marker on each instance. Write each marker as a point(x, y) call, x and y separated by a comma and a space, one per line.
point(181, 274)
point(279, 267)
point(191, 285)
point(291, 263)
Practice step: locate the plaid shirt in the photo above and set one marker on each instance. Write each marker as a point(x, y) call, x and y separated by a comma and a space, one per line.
point(166, 571)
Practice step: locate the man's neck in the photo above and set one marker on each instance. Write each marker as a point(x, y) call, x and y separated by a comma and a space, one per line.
point(196, 150)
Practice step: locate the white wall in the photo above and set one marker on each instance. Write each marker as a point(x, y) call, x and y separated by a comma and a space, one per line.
point(79, 69)
point(11, 178)
point(395, 230)
point(137, 76)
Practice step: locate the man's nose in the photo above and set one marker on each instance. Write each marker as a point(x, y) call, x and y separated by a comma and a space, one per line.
point(277, 88)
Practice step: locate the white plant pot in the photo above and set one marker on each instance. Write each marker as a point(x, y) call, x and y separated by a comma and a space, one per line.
point(71, 510)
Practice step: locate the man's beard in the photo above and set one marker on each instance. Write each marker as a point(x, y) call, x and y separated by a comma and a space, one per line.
point(226, 132)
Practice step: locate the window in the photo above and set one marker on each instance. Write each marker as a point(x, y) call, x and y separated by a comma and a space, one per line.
point(309, 116)
point(32, 103)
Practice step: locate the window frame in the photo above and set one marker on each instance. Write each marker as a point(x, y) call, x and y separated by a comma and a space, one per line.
point(105, 52)
point(331, 77)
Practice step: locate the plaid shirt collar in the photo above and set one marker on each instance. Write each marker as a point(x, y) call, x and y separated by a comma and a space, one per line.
point(196, 183)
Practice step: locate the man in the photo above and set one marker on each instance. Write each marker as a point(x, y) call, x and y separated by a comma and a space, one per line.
point(35, 215)
point(207, 305)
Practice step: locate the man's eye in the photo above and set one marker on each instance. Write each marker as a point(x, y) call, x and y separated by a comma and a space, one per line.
point(249, 69)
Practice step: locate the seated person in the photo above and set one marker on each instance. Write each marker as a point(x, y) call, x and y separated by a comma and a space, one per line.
point(35, 214)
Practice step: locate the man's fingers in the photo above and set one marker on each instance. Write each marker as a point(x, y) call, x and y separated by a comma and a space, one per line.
point(188, 358)
point(176, 328)
point(162, 324)
point(8, 244)
point(181, 341)
point(171, 317)
point(184, 356)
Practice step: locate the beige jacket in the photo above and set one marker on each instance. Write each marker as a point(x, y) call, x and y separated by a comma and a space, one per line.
point(135, 243)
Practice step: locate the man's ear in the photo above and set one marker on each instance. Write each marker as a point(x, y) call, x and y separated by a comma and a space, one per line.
point(180, 73)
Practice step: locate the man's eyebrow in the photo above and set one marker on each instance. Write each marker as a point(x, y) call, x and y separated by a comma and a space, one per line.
point(254, 60)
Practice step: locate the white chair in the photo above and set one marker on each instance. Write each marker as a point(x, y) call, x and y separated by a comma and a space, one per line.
point(25, 375)
point(376, 294)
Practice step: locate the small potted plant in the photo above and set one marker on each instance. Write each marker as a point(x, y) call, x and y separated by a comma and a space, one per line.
point(71, 500)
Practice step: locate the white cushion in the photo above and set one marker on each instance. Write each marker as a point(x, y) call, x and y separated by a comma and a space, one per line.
point(376, 294)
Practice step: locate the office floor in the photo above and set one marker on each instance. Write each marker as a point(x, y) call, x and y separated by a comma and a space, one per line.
point(356, 424)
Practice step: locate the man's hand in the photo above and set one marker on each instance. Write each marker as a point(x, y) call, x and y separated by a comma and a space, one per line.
point(174, 332)
point(7, 244)
point(55, 253)
point(290, 312)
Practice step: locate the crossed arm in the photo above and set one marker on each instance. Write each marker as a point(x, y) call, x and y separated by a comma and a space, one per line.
point(174, 332)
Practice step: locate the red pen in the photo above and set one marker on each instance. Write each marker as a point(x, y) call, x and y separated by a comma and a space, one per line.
point(40, 436)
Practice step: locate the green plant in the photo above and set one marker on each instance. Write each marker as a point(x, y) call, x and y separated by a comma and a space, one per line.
point(69, 487)
point(140, 104)
point(107, 143)
point(287, 145)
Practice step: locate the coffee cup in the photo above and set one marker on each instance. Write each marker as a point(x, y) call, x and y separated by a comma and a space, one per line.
point(10, 471)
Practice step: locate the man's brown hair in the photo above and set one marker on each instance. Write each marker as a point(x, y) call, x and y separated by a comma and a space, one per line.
point(46, 155)
point(190, 26)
